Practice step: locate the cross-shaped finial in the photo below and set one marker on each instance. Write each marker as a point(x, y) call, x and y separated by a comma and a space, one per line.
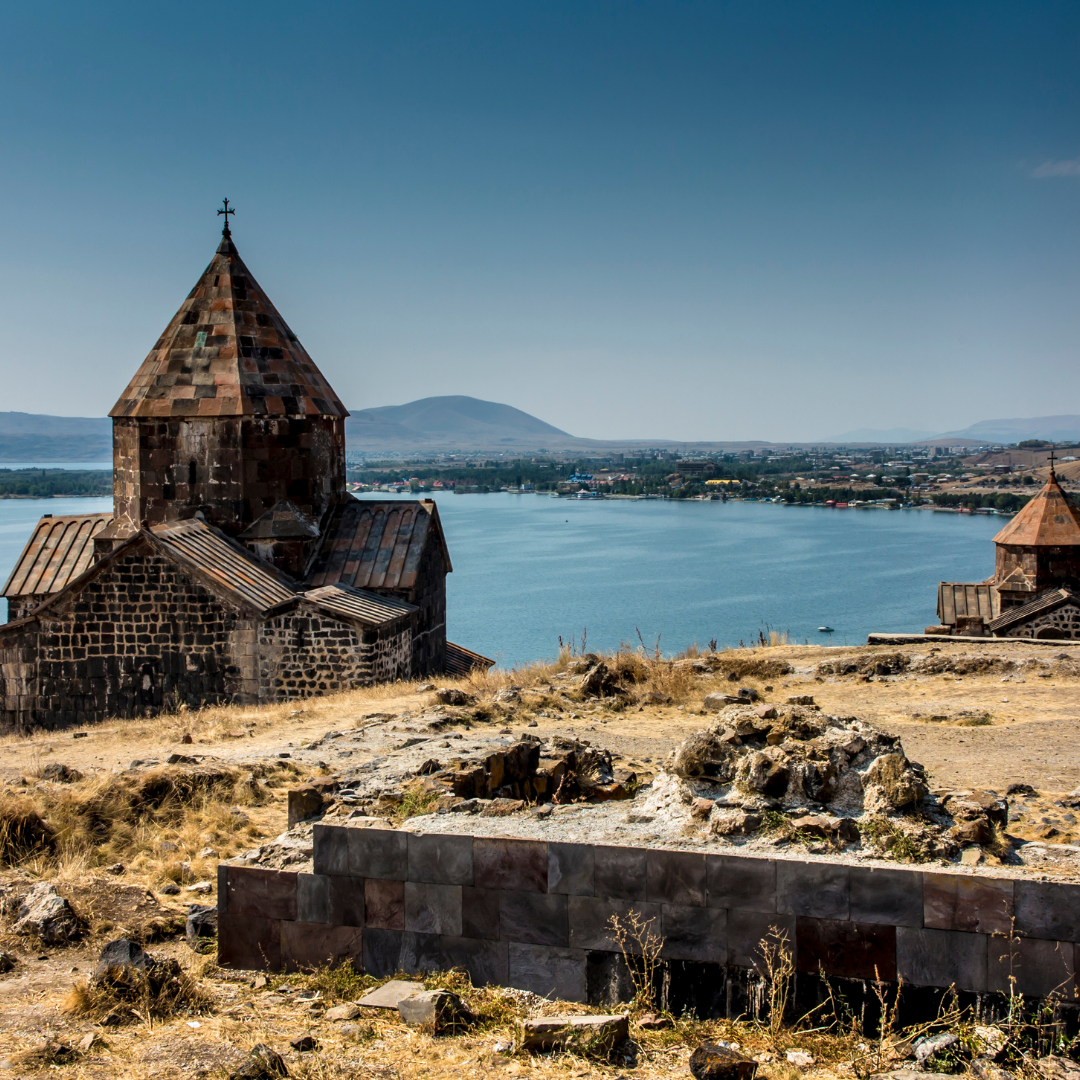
point(226, 212)
point(1052, 476)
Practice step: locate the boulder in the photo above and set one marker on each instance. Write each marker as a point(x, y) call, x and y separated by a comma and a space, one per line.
point(262, 1064)
point(45, 914)
point(705, 754)
point(826, 827)
point(304, 1044)
point(891, 783)
point(449, 695)
point(598, 682)
point(800, 699)
point(305, 803)
point(201, 921)
point(549, 1032)
point(61, 774)
point(126, 969)
point(932, 1046)
point(716, 702)
point(440, 1009)
point(1054, 1067)
point(714, 1061)
point(7, 961)
point(765, 774)
point(701, 808)
point(734, 823)
point(347, 1011)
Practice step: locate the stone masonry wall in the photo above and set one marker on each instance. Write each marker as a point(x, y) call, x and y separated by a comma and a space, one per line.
point(536, 915)
point(1062, 622)
point(231, 469)
point(303, 653)
point(429, 595)
point(133, 637)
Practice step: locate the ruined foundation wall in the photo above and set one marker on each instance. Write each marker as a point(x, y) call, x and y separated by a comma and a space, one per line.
point(1060, 624)
point(536, 915)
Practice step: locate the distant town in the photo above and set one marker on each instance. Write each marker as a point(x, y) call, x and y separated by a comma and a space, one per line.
point(988, 479)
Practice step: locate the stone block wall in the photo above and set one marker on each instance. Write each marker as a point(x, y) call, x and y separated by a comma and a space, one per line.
point(128, 641)
point(302, 653)
point(536, 915)
point(1060, 624)
point(232, 469)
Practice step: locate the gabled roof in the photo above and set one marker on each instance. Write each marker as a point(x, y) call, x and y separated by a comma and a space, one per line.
point(461, 661)
point(1049, 520)
point(58, 551)
point(966, 600)
point(225, 563)
point(346, 602)
point(1047, 601)
point(376, 545)
point(283, 521)
point(227, 352)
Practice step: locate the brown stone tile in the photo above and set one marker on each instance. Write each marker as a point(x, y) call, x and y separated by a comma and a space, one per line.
point(384, 903)
point(968, 903)
point(246, 941)
point(268, 894)
point(847, 949)
point(306, 946)
point(510, 864)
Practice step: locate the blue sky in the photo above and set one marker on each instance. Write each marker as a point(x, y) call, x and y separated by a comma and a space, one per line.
point(670, 220)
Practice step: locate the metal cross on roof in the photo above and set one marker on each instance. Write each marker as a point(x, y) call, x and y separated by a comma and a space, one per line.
point(226, 212)
point(1052, 477)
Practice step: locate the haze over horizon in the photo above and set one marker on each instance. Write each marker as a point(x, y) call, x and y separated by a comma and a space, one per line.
point(694, 221)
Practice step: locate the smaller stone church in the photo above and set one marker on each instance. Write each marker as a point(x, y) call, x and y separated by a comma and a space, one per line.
point(235, 566)
point(1035, 589)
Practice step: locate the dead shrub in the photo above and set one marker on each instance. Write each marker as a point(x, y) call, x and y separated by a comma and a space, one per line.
point(735, 664)
point(23, 832)
point(164, 989)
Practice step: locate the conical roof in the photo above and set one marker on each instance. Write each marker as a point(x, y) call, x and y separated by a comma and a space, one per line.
point(227, 352)
point(1049, 520)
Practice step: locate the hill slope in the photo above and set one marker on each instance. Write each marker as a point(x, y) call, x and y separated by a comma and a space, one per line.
point(456, 420)
point(1055, 428)
point(35, 437)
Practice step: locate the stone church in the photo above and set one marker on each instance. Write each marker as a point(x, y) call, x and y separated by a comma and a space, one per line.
point(235, 566)
point(1035, 590)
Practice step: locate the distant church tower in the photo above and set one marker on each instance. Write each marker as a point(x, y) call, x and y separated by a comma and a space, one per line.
point(227, 416)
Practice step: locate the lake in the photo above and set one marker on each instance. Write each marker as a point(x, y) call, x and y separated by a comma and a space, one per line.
point(528, 568)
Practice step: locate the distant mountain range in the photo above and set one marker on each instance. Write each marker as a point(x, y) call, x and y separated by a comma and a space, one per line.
point(470, 424)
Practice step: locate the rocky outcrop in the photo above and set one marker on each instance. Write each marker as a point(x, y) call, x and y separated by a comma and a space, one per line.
point(46, 915)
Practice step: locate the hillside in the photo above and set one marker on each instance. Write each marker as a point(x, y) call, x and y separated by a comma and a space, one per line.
point(449, 421)
point(36, 437)
point(1055, 428)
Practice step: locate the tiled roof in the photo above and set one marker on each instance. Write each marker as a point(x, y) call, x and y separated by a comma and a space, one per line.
point(59, 550)
point(227, 352)
point(225, 563)
point(960, 600)
point(376, 545)
point(461, 661)
point(356, 604)
point(1049, 520)
point(1046, 601)
point(283, 521)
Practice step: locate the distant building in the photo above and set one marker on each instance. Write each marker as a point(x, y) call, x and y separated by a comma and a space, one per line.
point(1035, 590)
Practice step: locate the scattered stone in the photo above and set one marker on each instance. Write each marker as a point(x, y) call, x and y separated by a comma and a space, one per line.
point(304, 1044)
point(116, 868)
point(174, 759)
point(933, 1045)
point(432, 765)
point(800, 699)
point(201, 921)
point(734, 823)
point(800, 1058)
point(80, 735)
point(390, 993)
point(170, 888)
point(347, 1011)
point(825, 827)
point(441, 1009)
point(532, 723)
point(991, 1041)
point(1020, 789)
point(549, 1032)
point(448, 695)
point(261, 1064)
point(716, 702)
point(701, 808)
point(89, 1041)
point(507, 695)
point(652, 1022)
point(1053, 1067)
point(45, 914)
point(201, 887)
point(766, 712)
point(653, 698)
point(715, 1061)
point(972, 856)
point(187, 740)
point(599, 682)
point(126, 969)
point(61, 774)
point(747, 693)
point(305, 803)
point(260, 982)
point(115, 1017)
point(502, 807)
point(425, 688)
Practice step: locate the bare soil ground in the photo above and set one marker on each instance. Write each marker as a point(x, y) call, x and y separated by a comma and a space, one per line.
point(984, 716)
